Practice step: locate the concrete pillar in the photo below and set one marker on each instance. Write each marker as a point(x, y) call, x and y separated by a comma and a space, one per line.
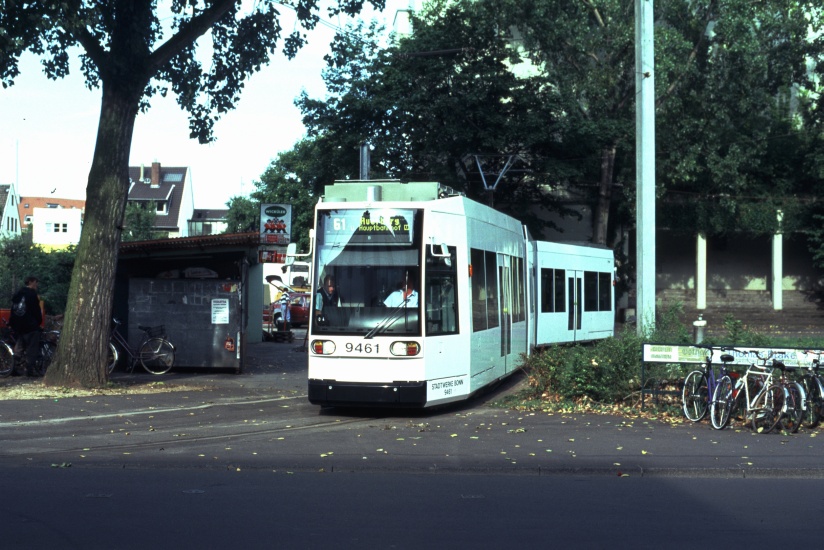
point(645, 165)
point(701, 272)
point(778, 265)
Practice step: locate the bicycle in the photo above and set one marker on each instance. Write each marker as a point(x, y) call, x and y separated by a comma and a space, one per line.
point(155, 353)
point(9, 360)
point(763, 409)
point(795, 399)
point(699, 385)
point(813, 385)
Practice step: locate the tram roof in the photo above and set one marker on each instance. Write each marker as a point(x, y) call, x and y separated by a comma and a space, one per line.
point(386, 190)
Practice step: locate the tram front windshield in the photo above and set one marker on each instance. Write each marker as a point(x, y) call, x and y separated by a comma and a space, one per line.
point(367, 272)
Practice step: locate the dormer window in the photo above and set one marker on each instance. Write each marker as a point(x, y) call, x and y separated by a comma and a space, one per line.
point(161, 207)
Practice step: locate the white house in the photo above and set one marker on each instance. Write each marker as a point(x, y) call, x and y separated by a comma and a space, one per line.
point(9, 216)
point(56, 227)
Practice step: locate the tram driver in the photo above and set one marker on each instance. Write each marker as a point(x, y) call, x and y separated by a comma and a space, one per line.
point(406, 295)
point(327, 301)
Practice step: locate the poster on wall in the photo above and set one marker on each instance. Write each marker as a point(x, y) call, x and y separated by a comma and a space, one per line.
point(220, 311)
point(275, 223)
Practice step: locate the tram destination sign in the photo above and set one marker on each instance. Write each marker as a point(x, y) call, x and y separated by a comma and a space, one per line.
point(386, 226)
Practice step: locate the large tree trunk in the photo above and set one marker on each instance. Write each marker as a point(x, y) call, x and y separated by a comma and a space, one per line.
point(600, 217)
point(81, 354)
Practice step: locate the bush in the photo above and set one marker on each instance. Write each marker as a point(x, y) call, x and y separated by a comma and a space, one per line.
point(605, 371)
point(608, 371)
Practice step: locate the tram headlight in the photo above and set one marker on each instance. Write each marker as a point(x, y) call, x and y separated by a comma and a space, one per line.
point(405, 348)
point(323, 347)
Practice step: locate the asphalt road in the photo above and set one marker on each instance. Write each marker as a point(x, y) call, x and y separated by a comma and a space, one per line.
point(260, 419)
point(105, 508)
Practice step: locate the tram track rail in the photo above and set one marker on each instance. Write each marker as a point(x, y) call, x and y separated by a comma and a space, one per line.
point(157, 428)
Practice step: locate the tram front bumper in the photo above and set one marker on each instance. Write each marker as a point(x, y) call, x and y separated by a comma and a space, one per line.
point(351, 394)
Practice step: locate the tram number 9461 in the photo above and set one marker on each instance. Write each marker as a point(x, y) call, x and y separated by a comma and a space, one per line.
point(362, 348)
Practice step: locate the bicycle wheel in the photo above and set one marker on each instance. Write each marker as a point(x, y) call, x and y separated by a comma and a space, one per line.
point(721, 405)
point(6, 360)
point(157, 355)
point(793, 411)
point(694, 396)
point(812, 414)
point(766, 410)
point(47, 350)
point(111, 357)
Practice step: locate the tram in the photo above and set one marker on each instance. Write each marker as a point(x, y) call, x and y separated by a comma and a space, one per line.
point(422, 296)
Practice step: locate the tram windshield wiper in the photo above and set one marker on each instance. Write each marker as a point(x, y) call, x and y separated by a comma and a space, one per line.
point(388, 320)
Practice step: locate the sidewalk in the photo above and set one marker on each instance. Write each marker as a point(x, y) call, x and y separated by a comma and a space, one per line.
point(261, 419)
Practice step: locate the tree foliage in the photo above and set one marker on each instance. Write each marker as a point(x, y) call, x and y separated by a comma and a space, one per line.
point(19, 259)
point(243, 215)
point(738, 128)
point(139, 222)
point(736, 139)
point(133, 50)
point(429, 103)
point(295, 177)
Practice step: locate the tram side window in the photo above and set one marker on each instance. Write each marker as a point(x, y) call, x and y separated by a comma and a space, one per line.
point(552, 290)
point(441, 298)
point(519, 304)
point(597, 291)
point(491, 289)
point(484, 289)
point(476, 258)
point(604, 292)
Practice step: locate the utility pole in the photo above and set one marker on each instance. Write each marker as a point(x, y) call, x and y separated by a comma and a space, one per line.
point(645, 166)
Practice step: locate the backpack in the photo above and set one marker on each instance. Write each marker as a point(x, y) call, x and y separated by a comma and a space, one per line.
point(18, 305)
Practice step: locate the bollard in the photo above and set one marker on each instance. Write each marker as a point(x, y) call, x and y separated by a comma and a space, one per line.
point(698, 329)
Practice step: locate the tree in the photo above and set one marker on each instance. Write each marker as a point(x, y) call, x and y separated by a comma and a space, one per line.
point(132, 52)
point(738, 137)
point(726, 73)
point(295, 177)
point(243, 215)
point(19, 259)
point(139, 222)
point(430, 102)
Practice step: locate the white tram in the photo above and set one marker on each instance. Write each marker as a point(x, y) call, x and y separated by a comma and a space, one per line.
point(437, 296)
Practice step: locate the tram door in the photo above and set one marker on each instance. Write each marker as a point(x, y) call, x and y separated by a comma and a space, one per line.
point(505, 301)
point(575, 301)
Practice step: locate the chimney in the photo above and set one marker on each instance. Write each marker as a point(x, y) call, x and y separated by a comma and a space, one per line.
point(155, 174)
point(141, 173)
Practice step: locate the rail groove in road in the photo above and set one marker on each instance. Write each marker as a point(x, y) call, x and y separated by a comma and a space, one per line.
point(151, 411)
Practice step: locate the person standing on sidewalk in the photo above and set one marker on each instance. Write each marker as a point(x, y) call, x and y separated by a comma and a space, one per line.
point(25, 320)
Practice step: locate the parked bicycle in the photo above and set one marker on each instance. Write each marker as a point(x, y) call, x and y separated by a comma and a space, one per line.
point(9, 360)
point(699, 385)
point(795, 400)
point(813, 382)
point(155, 353)
point(767, 403)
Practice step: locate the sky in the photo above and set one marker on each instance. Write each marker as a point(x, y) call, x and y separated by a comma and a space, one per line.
point(48, 128)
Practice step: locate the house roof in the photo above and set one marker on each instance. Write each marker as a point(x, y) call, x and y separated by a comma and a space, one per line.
point(209, 215)
point(204, 242)
point(4, 195)
point(28, 204)
point(160, 184)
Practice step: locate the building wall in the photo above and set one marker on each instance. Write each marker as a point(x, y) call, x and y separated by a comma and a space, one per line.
point(56, 227)
point(187, 207)
point(737, 262)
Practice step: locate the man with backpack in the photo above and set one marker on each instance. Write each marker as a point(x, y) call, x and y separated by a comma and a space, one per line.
point(25, 321)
